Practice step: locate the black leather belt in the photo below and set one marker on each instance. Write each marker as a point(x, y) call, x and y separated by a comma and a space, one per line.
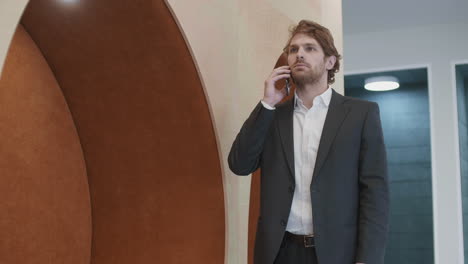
point(305, 240)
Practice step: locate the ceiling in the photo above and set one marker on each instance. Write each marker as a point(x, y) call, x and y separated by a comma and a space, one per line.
point(376, 15)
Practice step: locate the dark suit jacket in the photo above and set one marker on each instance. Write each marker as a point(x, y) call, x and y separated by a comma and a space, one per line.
point(349, 189)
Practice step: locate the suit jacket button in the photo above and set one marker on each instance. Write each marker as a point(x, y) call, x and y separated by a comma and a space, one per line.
point(283, 223)
point(291, 189)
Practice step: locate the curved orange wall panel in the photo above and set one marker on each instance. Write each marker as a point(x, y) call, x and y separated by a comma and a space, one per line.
point(145, 128)
point(45, 206)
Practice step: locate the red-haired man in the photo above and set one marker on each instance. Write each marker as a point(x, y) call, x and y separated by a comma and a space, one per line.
point(324, 187)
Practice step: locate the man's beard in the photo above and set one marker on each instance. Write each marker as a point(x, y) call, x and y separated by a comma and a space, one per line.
point(310, 77)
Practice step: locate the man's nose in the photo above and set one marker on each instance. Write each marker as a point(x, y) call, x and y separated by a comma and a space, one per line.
point(300, 54)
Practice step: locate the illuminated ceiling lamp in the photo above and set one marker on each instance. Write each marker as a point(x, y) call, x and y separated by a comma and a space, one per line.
point(381, 83)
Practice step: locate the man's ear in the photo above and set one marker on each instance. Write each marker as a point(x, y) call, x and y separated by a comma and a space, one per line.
point(331, 62)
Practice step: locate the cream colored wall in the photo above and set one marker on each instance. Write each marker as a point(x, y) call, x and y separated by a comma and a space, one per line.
point(235, 45)
point(10, 13)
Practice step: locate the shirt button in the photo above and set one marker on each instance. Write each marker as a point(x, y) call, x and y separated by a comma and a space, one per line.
point(283, 223)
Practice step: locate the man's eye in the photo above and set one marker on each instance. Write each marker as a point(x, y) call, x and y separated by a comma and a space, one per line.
point(310, 48)
point(292, 50)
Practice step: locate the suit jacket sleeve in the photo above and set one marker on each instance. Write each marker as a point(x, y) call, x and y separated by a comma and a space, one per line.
point(244, 157)
point(373, 191)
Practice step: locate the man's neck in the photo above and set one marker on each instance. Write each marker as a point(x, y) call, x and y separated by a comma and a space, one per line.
point(308, 92)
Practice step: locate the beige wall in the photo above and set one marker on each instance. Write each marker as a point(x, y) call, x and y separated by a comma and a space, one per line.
point(10, 13)
point(235, 45)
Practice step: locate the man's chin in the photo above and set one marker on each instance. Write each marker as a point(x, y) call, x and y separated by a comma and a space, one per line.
point(300, 75)
point(302, 79)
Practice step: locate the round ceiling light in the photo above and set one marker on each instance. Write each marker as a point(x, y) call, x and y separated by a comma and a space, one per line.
point(381, 83)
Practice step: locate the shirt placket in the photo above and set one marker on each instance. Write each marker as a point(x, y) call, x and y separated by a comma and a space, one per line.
point(306, 164)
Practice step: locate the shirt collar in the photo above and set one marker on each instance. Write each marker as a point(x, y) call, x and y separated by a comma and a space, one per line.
point(325, 98)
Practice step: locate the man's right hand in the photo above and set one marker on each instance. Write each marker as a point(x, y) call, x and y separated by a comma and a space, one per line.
point(272, 96)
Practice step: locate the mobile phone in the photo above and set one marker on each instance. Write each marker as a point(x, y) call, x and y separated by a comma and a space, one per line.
point(283, 61)
point(288, 87)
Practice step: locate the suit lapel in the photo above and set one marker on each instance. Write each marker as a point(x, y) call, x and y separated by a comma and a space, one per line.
point(285, 126)
point(336, 114)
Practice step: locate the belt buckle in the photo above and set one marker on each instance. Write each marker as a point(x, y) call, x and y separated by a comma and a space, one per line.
point(306, 240)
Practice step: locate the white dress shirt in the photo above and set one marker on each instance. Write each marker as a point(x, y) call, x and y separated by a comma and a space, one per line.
point(307, 127)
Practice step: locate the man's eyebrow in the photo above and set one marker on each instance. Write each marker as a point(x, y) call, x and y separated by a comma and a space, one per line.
point(305, 44)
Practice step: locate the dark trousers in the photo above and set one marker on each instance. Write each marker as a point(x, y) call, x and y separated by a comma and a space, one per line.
point(295, 252)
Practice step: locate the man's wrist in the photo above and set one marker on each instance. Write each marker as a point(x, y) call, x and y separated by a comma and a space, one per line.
point(267, 105)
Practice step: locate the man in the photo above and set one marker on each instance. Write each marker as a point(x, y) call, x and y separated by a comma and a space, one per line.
point(324, 189)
